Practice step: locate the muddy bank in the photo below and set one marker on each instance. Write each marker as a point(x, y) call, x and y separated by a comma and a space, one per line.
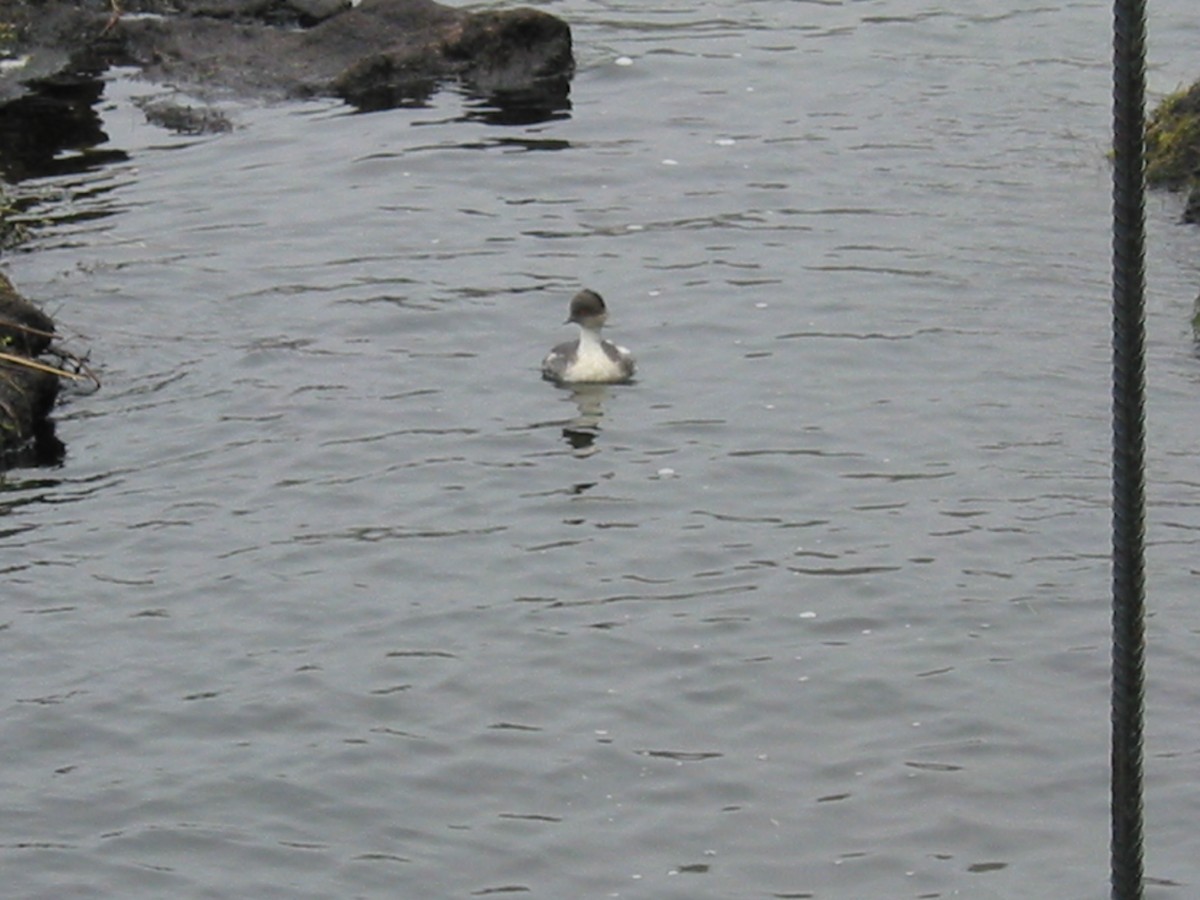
point(378, 54)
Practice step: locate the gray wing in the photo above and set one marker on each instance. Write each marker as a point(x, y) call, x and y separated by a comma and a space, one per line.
point(556, 361)
point(622, 357)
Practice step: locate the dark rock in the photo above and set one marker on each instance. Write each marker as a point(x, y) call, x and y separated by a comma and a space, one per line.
point(304, 13)
point(24, 329)
point(310, 12)
point(27, 392)
point(183, 118)
point(377, 54)
point(507, 53)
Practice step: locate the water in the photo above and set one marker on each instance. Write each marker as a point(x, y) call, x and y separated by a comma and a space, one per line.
point(333, 597)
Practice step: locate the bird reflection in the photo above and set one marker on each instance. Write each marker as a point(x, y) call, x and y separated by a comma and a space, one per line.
point(581, 431)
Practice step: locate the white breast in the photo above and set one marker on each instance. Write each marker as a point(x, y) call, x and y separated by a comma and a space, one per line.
point(593, 364)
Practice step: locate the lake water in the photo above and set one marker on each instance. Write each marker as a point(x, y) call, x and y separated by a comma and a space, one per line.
point(332, 596)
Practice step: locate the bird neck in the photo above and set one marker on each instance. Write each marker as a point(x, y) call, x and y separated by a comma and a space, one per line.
point(589, 334)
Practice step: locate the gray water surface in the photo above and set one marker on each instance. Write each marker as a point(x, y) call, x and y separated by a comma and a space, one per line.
point(333, 597)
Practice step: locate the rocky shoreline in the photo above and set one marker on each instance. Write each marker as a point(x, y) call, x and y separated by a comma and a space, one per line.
point(1173, 147)
point(374, 55)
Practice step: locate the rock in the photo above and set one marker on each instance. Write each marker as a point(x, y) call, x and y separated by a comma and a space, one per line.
point(183, 118)
point(27, 391)
point(1173, 147)
point(305, 13)
point(377, 54)
point(310, 12)
point(505, 54)
point(1173, 140)
point(24, 329)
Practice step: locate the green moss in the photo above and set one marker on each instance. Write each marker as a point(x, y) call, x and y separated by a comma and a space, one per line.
point(1173, 140)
